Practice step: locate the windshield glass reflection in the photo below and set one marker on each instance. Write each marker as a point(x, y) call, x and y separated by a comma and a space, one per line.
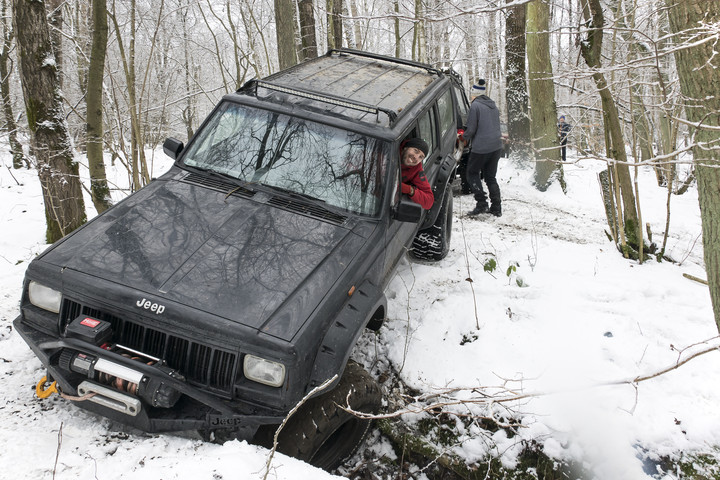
point(341, 168)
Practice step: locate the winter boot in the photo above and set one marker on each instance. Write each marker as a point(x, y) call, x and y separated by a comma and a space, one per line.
point(495, 202)
point(481, 207)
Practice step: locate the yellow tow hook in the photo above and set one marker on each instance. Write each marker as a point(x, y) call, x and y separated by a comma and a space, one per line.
point(43, 392)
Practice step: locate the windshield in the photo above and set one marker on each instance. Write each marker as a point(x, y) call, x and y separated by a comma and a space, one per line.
point(341, 168)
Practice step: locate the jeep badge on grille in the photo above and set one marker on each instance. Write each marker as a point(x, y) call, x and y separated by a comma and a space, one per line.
point(148, 305)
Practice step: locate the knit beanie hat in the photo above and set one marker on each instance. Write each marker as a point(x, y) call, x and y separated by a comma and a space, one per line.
point(478, 88)
point(418, 143)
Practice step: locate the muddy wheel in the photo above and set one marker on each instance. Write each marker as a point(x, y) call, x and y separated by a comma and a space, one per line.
point(433, 243)
point(323, 434)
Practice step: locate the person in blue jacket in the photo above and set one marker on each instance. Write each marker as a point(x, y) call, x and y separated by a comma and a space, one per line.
point(486, 146)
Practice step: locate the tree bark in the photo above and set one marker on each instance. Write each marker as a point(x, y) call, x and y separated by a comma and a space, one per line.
point(58, 172)
point(419, 37)
point(54, 11)
point(16, 149)
point(396, 27)
point(285, 32)
point(699, 71)
point(307, 30)
point(98, 179)
point(591, 49)
point(516, 93)
point(334, 23)
point(543, 126)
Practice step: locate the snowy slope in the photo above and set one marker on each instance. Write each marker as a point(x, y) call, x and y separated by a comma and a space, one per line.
point(572, 316)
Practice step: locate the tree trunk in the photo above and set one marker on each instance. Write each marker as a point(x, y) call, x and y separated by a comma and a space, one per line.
point(83, 44)
point(543, 126)
point(188, 113)
point(334, 22)
point(591, 49)
point(55, 16)
point(98, 180)
point(354, 26)
point(58, 172)
point(19, 159)
point(396, 27)
point(516, 93)
point(699, 72)
point(248, 16)
point(285, 32)
point(419, 38)
point(139, 169)
point(307, 30)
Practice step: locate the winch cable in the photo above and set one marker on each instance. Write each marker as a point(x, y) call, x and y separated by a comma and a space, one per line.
point(43, 392)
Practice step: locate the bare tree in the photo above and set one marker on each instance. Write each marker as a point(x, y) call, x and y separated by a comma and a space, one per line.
point(5, 69)
point(695, 24)
point(334, 21)
point(55, 15)
point(285, 33)
point(631, 234)
point(57, 169)
point(307, 30)
point(98, 179)
point(542, 96)
point(516, 92)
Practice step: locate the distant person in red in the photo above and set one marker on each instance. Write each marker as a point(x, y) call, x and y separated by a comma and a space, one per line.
point(414, 183)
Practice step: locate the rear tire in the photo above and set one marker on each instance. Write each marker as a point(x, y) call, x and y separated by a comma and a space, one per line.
point(433, 243)
point(320, 432)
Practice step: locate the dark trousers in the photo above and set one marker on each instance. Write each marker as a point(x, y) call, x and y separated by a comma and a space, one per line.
point(563, 142)
point(483, 166)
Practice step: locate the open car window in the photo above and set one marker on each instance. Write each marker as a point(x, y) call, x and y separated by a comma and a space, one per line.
point(343, 169)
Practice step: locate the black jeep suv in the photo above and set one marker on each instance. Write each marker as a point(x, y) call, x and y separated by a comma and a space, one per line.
point(220, 295)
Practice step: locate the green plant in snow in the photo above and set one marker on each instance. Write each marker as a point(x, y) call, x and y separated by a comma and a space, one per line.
point(490, 265)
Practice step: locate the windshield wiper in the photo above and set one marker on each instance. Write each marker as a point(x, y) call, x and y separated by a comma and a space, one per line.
point(215, 173)
point(292, 193)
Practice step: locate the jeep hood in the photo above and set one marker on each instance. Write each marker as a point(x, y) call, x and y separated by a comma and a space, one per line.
point(239, 258)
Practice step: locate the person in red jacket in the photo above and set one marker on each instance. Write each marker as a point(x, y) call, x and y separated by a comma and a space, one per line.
point(414, 183)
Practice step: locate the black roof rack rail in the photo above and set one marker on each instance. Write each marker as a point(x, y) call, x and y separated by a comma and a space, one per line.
point(401, 61)
point(451, 72)
point(321, 97)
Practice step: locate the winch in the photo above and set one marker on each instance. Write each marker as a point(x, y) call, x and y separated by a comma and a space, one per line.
point(110, 383)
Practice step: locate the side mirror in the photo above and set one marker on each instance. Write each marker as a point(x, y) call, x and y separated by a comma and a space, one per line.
point(408, 211)
point(172, 147)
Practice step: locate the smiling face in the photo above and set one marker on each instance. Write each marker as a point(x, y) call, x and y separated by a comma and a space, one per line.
point(412, 156)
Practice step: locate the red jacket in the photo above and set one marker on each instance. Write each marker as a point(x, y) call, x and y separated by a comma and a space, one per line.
point(415, 176)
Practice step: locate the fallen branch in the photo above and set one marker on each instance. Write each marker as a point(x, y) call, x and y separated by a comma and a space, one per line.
point(57, 452)
point(502, 394)
point(695, 279)
point(312, 392)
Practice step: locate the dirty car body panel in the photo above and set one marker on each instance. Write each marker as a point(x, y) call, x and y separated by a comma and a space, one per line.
point(224, 291)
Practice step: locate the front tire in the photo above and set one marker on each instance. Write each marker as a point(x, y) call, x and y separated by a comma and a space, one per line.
point(433, 243)
point(323, 434)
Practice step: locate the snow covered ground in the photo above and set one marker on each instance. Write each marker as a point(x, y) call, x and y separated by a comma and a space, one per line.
point(572, 317)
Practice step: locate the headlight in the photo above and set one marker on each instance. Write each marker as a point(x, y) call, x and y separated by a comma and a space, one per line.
point(44, 297)
point(264, 371)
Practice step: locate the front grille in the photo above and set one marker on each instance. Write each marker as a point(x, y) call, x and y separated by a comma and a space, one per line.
point(200, 364)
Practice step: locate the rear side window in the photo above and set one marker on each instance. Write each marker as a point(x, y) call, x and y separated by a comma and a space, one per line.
point(446, 114)
point(427, 130)
point(463, 106)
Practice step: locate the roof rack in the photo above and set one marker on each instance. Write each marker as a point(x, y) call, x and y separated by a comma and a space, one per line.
point(325, 98)
point(375, 56)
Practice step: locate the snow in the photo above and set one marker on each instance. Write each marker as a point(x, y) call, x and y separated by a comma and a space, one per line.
point(571, 326)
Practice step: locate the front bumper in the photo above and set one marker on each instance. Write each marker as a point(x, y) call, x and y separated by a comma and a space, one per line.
point(194, 410)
